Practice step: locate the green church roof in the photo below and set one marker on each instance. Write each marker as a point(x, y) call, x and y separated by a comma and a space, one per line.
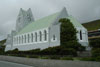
point(75, 22)
point(46, 22)
point(39, 24)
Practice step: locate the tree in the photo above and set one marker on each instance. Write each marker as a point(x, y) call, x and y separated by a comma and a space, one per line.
point(95, 43)
point(68, 35)
point(68, 32)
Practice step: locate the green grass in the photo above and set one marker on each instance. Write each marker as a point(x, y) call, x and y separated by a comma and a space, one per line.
point(93, 25)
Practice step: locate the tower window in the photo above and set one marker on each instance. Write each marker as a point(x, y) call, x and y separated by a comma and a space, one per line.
point(54, 37)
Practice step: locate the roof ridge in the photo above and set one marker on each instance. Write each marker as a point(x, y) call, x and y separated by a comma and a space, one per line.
point(47, 16)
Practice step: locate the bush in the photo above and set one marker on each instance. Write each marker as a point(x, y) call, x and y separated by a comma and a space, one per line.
point(88, 59)
point(34, 56)
point(27, 56)
point(96, 52)
point(68, 51)
point(2, 48)
point(48, 51)
point(95, 43)
point(15, 50)
point(98, 58)
point(54, 57)
point(66, 58)
point(51, 51)
point(45, 57)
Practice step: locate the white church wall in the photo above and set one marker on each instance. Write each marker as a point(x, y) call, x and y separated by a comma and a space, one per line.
point(32, 45)
point(55, 31)
point(84, 40)
point(30, 41)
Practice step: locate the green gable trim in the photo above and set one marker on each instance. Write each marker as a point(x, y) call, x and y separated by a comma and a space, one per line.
point(39, 24)
point(75, 22)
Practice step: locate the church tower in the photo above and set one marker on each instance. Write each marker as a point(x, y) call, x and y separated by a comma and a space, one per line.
point(23, 19)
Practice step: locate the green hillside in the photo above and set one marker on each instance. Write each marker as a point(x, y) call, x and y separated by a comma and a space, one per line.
point(93, 25)
point(2, 42)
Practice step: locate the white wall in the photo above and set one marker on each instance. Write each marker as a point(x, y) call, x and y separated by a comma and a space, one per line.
point(84, 40)
point(30, 41)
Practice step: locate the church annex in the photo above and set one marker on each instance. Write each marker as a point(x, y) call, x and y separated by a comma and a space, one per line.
point(42, 33)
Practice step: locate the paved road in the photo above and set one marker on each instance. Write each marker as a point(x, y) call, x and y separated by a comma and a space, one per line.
point(10, 64)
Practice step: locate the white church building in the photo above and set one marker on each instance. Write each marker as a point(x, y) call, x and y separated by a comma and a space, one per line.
point(42, 33)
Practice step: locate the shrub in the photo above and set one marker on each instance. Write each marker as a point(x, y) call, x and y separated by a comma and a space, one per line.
point(45, 57)
point(88, 59)
point(98, 58)
point(34, 56)
point(21, 55)
point(95, 43)
point(27, 56)
point(54, 57)
point(2, 48)
point(68, 51)
point(95, 52)
point(66, 58)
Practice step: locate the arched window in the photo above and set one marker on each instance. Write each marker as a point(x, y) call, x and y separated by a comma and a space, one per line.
point(25, 38)
point(54, 37)
point(28, 38)
point(31, 37)
point(19, 39)
point(22, 39)
point(45, 35)
point(15, 40)
point(80, 35)
point(35, 37)
point(40, 33)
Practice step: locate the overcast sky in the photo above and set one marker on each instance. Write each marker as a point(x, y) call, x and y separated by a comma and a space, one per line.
point(82, 10)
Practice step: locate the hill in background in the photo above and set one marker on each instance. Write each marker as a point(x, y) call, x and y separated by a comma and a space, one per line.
point(93, 25)
point(2, 42)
